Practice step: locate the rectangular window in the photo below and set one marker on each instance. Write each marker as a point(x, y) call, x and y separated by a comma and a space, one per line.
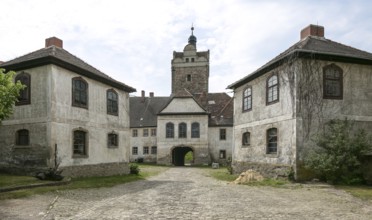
point(112, 140)
point(22, 138)
point(145, 150)
point(145, 132)
point(153, 150)
point(134, 150)
point(153, 132)
point(80, 143)
point(222, 134)
point(222, 154)
point(246, 139)
point(272, 141)
point(134, 133)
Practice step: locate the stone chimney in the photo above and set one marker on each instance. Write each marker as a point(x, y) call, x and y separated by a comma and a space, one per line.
point(312, 30)
point(143, 95)
point(53, 41)
point(151, 94)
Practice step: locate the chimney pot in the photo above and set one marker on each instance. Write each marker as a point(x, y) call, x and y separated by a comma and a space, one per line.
point(312, 30)
point(151, 94)
point(53, 41)
point(143, 93)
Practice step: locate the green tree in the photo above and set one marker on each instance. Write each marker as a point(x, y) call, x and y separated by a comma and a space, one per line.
point(339, 153)
point(9, 92)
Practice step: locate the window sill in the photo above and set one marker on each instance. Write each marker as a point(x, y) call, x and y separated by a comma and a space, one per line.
point(22, 147)
point(272, 155)
point(79, 156)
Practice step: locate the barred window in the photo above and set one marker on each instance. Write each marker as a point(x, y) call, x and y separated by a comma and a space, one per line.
point(182, 130)
point(195, 130)
point(153, 150)
point(247, 99)
point(22, 137)
point(272, 89)
point(79, 92)
point(272, 141)
point(332, 82)
point(80, 143)
point(112, 102)
point(145, 150)
point(169, 130)
point(134, 150)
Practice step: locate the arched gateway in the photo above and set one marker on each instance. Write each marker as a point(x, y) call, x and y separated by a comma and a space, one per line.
point(178, 155)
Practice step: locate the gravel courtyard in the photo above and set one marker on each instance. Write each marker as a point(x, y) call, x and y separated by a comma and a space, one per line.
point(189, 193)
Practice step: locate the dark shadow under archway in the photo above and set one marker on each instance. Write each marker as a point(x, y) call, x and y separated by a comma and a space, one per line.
point(178, 155)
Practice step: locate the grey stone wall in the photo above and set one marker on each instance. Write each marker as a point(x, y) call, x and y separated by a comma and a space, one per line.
point(199, 79)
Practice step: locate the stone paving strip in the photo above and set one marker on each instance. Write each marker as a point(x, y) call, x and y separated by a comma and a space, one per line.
point(189, 193)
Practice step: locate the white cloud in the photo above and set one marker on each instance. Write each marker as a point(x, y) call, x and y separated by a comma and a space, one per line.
point(133, 41)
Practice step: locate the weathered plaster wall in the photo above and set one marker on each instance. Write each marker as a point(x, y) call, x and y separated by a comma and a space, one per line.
point(215, 144)
point(94, 120)
point(140, 141)
point(34, 117)
point(200, 145)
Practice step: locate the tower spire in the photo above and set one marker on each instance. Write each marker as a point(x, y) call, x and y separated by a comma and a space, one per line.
point(192, 38)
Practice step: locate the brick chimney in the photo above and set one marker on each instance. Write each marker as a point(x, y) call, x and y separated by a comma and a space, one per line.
point(151, 94)
point(312, 30)
point(53, 41)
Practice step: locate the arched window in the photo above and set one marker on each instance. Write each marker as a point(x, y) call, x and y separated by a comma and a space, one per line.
point(112, 102)
point(195, 130)
point(332, 82)
point(79, 92)
point(182, 130)
point(169, 130)
point(272, 141)
point(272, 89)
point(247, 99)
point(25, 94)
point(22, 137)
point(80, 146)
point(246, 139)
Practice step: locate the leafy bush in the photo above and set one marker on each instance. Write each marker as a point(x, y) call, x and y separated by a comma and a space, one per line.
point(134, 169)
point(338, 157)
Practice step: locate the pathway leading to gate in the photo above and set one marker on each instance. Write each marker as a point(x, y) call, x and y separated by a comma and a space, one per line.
point(189, 193)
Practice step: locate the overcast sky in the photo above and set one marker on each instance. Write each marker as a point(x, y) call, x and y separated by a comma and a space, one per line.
point(133, 41)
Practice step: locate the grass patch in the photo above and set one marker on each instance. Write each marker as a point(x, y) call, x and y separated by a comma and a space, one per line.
point(76, 183)
point(12, 180)
point(222, 174)
point(362, 192)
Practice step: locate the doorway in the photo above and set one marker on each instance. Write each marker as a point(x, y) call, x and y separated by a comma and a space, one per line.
point(179, 153)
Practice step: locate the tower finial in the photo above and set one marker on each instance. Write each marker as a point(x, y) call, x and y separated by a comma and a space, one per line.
point(192, 38)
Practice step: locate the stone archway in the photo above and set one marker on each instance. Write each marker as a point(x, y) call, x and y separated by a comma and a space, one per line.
point(178, 155)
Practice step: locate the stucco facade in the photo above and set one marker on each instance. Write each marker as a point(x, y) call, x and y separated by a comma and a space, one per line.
point(305, 102)
point(51, 119)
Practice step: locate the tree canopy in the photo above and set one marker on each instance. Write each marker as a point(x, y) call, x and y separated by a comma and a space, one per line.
point(9, 92)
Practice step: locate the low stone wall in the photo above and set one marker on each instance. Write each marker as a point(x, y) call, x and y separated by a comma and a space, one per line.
point(105, 169)
point(266, 170)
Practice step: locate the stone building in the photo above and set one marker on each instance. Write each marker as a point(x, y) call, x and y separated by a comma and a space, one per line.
point(70, 114)
point(193, 120)
point(280, 106)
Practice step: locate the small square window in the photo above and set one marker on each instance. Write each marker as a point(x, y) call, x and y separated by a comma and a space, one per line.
point(146, 132)
point(135, 133)
point(145, 150)
point(134, 150)
point(222, 154)
point(222, 134)
point(153, 132)
point(153, 150)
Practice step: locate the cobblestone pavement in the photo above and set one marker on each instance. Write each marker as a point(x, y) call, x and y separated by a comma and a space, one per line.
point(189, 193)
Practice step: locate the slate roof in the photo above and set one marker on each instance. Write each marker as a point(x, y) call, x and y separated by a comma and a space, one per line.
point(144, 110)
point(311, 47)
point(59, 56)
point(219, 106)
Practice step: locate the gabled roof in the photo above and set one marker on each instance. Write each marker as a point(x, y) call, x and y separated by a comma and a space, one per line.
point(311, 47)
point(59, 56)
point(144, 110)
